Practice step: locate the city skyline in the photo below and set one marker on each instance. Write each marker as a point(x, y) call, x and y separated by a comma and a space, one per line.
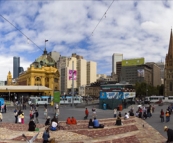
point(134, 29)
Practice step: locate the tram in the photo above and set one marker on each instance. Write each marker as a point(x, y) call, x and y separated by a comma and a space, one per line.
point(155, 99)
point(68, 99)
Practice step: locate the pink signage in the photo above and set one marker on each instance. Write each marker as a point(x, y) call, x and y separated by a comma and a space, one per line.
point(72, 73)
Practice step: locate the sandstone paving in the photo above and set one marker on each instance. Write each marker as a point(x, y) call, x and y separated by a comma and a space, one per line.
point(134, 130)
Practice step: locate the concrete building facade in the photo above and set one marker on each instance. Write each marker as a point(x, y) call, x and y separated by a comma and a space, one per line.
point(91, 72)
point(86, 72)
point(162, 70)
point(116, 58)
point(168, 86)
point(156, 74)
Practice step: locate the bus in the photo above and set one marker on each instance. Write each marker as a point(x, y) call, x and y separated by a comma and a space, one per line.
point(68, 99)
point(40, 100)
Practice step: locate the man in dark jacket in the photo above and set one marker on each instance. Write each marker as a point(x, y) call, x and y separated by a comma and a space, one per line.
point(36, 116)
point(169, 134)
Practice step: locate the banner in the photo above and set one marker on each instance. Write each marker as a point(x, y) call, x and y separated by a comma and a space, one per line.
point(72, 73)
point(140, 72)
point(56, 97)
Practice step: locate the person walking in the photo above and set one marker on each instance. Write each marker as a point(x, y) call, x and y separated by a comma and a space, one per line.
point(15, 115)
point(115, 113)
point(1, 117)
point(167, 116)
point(86, 114)
point(46, 135)
point(31, 114)
point(5, 108)
point(94, 112)
point(162, 115)
point(22, 118)
point(36, 116)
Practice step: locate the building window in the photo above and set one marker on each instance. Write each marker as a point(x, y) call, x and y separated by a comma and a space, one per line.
point(170, 86)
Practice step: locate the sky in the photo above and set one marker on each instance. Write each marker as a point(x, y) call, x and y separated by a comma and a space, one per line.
point(133, 28)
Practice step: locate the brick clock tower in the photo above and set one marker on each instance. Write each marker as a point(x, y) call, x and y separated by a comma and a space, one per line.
point(169, 69)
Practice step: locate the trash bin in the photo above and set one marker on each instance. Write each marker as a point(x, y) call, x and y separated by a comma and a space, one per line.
point(120, 107)
point(104, 106)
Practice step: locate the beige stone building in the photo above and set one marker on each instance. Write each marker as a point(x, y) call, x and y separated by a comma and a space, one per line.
point(86, 72)
point(156, 74)
point(91, 72)
point(169, 69)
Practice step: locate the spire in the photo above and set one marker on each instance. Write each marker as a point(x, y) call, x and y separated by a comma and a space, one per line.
point(45, 51)
point(170, 51)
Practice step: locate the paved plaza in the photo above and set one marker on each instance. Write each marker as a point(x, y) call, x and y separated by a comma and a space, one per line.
point(134, 130)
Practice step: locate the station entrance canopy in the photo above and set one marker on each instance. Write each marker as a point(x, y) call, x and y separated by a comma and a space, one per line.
point(24, 89)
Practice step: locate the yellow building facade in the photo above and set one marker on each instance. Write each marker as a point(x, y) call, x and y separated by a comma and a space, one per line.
point(42, 72)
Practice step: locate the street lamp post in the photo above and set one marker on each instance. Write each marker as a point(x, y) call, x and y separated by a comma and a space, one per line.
point(8, 93)
point(72, 83)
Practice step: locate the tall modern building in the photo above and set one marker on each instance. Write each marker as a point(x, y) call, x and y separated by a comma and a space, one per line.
point(134, 70)
point(169, 69)
point(116, 58)
point(16, 65)
point(91, 72)
point(85, 72)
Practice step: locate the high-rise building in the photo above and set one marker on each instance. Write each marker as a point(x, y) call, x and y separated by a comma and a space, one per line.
point(162, 69)
point(156, 74)
point(16, 65)
point(169, 69)
point(85, 72)
point(134, 70)
point(116, 58)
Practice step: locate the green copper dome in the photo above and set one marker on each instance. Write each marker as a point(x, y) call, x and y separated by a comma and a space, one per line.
point(44, 60)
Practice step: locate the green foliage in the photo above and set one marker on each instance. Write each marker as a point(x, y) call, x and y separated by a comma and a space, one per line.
point(143, 89)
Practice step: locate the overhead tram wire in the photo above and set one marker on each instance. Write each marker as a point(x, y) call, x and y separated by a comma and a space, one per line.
point(20, 31)
point(104, 15)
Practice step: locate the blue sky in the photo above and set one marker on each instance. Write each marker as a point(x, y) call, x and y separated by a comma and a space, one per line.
point(135, 29)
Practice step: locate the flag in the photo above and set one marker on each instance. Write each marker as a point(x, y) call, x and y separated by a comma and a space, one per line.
point(46, 40)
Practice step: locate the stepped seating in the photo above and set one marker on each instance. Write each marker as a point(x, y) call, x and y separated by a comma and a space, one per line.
point(18, 127)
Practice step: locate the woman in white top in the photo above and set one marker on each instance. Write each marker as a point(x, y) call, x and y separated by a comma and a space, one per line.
point(1, 117)
point(115, 113)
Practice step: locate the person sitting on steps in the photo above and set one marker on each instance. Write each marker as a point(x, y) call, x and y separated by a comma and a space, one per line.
point(118, 122)
point(73, 121)
point(90, 124)
point(68, 121)
point(96, 124)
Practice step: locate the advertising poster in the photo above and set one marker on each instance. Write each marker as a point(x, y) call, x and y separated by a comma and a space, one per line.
point(56, 97)
point(140, 72)
point(72, 73)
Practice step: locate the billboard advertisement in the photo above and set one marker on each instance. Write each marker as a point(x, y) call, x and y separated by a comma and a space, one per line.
point(117, 95)
point(140, 72)
point(133, 62)
point(72, 73)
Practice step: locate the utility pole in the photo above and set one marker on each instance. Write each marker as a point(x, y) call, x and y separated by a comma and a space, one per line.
point(72, 83)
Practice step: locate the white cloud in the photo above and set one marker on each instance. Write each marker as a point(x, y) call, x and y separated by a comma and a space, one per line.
point(140, 30)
